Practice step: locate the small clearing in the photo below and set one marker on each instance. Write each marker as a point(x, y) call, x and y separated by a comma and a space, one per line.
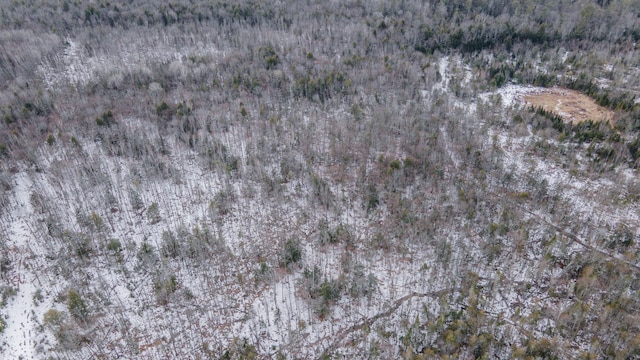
point(571, 105)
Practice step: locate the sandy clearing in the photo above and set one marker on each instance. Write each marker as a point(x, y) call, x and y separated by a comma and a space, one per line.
point(571, 105)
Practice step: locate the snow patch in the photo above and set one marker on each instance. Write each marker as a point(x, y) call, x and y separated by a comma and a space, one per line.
point(76, 66)
point(512, 94)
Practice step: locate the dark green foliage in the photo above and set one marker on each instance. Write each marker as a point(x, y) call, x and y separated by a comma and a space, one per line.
point(216, 154)
point(606, 143)
point(5, 265)
point(372, 200)
point(79, 243)
point(439, 200)
point(164, 287)
point(30, 109)
point(67, 333)
point(320, 87)
point(323, 292)
point(135, 200)
point(271, 59)
point(480, 37)
point(328, 291)
point(164, 111)
point(634, 148)
point(589, 131)
point(395, 165)
point(147, 257)
point(498, 229)
point(222, 204)
point(240, 349)
point(231, 164)
point(89, 13)
point(498, 76)
point(153, 213)
point(263, 272)
point(339, 234)
point(541, 349)
point(291, 253)
point(106, 119)
point(6, 292)
point(76, 305)
point(544, 80)
point(458, 330)
point(360, 283)
point(621, 239)
point(617, 101)
point(198, 244)
point(183, 110)
point(9, 117)
point(557, 122)
point(114, 246)
point(321, 190)
point(170, 244)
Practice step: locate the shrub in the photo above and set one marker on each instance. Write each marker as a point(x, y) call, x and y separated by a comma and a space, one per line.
point(326, 235)
point(543, 348)
point(330, 290)
point(97, 221)
point(380, 241)
point(6, 292)
point(321, 190)
point(394, 165)
point(53, 319)
point(164, 111)
point(323, 292)
point(164, 287)
point(263, 272)
point(340, 234)
point(291, 254)
point(79, 243)
point(135, 200)
point(65, 332)
point(114, 246)
point(106, 119)
point(170, 244)
point(241, 349)
point(271, 59)
point(153, 214)
point(372, 199)
point(362, 284)
point(37, 297)
point(76, 305)
point(221, 204)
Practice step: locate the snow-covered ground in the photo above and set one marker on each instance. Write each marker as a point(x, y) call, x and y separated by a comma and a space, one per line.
point(80, 67)
point(240, 291)
point(512, 94)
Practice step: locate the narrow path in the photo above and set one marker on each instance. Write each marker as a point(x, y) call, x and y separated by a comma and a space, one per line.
point(342, 334)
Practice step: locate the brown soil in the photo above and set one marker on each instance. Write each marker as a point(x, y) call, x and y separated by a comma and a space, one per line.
point(571, 105)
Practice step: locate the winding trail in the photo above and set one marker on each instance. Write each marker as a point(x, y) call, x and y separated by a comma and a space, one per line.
point(342, 334)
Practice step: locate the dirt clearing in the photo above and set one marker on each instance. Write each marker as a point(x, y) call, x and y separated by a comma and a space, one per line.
point(571, 105)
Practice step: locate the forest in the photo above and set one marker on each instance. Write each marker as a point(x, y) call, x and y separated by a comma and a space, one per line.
point(319, 180)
